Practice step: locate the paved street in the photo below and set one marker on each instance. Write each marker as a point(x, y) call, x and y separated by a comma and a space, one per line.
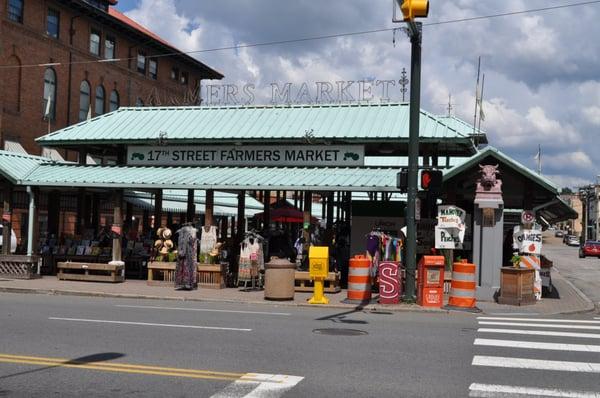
point(584, 273)
point(81, 346)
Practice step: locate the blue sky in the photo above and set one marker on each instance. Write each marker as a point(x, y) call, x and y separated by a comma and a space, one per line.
point(542, 69)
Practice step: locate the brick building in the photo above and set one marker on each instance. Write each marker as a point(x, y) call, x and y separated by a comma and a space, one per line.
point(64, 60)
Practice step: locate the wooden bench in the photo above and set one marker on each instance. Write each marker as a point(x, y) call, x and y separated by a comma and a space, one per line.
point(212, 276)
point(161, 273)
point(96, 272)
point(305, 284)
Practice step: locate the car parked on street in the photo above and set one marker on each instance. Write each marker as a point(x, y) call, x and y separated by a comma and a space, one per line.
point(591, 248)
point(558, 234)
point(572, 240)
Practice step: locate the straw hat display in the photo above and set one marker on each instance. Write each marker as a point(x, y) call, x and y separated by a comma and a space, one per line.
point(164, 245)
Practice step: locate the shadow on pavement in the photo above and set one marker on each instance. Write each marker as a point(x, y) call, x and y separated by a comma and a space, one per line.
point(101, 357)
point(554, 294)
point(341, 317)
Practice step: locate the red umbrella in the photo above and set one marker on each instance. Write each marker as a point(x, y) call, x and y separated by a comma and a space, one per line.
point(287, 214)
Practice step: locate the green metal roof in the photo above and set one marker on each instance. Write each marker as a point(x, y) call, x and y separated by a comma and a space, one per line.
point(495, 153)
point(464, 128)
point(217, 178)
point(293, 123)
point(176, 206)
point(15, 166)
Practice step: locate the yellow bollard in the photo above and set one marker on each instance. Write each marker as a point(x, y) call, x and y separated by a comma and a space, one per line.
point(318, 260)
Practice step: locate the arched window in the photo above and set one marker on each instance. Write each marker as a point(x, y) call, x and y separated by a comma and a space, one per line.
point(99, 105)
point(49, 105)
point(84, 100)
point(139, 102)
point(114, 101)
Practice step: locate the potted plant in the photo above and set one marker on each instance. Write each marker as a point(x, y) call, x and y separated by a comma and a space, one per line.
point(516, 260)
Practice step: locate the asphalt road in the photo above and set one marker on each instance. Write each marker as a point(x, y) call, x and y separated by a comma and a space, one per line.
point(582, 272)
point(96, 347)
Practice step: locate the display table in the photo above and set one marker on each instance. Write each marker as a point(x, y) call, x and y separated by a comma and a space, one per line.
point(305, 284)
point(212, 276)
point(95, 272)
point(516, 286)
point(161, 273)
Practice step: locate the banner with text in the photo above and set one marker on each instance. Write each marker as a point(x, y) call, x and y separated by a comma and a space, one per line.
point(527, 240)
point(251, 155)
point(450, 216)
point(449, 238)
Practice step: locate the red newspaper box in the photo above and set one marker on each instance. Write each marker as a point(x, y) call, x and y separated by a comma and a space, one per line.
point(430, 286)
point(390, 282)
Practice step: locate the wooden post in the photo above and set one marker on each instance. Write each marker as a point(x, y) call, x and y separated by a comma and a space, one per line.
point(145, 222)
point(267, 210)
point(128, 216)
point(329, 217)
point(323, 206)
point(224, 227)
point(307, 216)
point(241, 216)
point(7, 219)
point(210, 204)
point(157, 209)
point(169, 219)
point(95, 212)
point(191, 206)
point(339, 207)
point(117, 227)
point(53, 213)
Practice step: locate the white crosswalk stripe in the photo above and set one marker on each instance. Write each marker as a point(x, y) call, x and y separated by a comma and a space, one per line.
point(536, 339)
point(259, 385)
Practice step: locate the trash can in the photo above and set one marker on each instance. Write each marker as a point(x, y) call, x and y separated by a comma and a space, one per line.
point(280, 275)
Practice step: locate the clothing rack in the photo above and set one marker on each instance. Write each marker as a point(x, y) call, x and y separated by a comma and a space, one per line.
point(255, 281)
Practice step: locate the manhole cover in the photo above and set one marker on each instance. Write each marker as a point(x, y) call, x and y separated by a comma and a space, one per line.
point(340, 332)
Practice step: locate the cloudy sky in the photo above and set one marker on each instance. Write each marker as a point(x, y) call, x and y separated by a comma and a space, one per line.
point(542, 69)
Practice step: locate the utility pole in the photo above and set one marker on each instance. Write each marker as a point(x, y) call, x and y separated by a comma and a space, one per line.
point(415, 33)
point(412, 9)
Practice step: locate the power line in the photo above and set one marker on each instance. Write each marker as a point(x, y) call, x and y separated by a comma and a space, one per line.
point(311, 38)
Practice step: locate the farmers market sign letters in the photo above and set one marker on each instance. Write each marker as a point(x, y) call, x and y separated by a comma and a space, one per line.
point(252, 155)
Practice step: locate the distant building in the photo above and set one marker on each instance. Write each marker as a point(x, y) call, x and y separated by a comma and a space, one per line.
point(63, 61)
point(576, 225)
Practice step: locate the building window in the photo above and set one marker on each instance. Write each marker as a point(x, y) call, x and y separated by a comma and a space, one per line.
point(53, 23)
point(141, 62)
point(15, 10)
point(114, 101)
point(109, 47)
point(99, 104)
point(184, 78)
point(174, 74)
point(152, 69)
point(49, 108)
point(84, 100)
point(95, 42)
point(139, 102)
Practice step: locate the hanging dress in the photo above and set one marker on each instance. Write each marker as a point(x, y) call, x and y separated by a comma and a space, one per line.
point(245, 264)
point(186, 270)
point(208, 241)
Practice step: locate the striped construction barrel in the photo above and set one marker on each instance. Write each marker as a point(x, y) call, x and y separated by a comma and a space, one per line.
point(462, 288)
point(359, 278)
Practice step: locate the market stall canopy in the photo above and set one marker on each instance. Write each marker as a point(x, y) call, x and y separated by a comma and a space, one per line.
point(38, 171)
point(519, 185)
point(373, 125)
point(284, 212)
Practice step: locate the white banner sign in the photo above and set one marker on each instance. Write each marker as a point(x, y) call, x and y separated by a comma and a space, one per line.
point(251, 155)
point(451, 217)
point(449, 238)
point(528, 240)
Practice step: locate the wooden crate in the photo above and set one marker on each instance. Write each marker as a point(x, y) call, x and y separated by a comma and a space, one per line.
point(305, 284)
point(95, 272)
point(516, 286)
point(19, 266)
point(212, 276)
point(161, 273)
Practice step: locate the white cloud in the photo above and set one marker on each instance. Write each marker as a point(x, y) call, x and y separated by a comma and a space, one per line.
point(566, 180)
point(570, 160)
point(592, 114)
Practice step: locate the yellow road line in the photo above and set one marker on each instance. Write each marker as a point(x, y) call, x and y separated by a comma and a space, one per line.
point(121, 367)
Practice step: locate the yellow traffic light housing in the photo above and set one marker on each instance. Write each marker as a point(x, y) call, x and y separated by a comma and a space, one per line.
point(412, 9)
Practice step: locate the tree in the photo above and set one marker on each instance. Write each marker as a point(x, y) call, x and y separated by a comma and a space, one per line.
point(566, 190)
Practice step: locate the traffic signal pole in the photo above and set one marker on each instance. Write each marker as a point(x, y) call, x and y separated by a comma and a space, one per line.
point(415, 33)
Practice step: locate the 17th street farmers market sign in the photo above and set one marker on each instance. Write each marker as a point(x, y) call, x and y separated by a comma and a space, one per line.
point(252, 155)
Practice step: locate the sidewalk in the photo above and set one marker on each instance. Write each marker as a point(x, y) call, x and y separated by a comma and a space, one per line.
point(570, 299)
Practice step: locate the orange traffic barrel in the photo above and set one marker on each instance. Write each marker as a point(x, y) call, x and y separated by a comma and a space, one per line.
point(462, 288)
point(359, 278)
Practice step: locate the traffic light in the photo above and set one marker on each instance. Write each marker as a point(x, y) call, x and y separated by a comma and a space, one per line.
point(430, 180)
point(412, 9)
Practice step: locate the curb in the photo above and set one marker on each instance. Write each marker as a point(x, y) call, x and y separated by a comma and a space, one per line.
point(367, 307)
point(590, 304)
